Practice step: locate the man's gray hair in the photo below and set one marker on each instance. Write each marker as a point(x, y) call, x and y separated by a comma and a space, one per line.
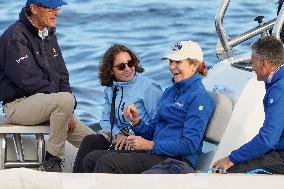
point(271, 49)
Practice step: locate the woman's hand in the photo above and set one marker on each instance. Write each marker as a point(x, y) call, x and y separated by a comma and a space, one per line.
point(139, 143)
point(120, 141)
point(131, 113)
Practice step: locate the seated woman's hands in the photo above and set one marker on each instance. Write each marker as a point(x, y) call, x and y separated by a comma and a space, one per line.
point(135, 142)
point(139, 143)
point(131, 113)
point(120, 141)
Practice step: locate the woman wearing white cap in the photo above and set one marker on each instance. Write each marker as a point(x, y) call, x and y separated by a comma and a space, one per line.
point(178, 128)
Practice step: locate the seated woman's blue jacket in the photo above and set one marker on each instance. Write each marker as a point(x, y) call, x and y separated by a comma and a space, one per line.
point(179, 126)
point(141, 91)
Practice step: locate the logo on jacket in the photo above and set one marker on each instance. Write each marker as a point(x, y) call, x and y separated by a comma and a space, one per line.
point(179, 104)
point(271, 100)
point(200, 107)
point(22, 58)
point(55, 53)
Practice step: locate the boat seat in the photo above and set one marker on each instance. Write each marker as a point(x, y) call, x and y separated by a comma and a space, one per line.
point(219, 119)
point(16, 131)
point(216, 126)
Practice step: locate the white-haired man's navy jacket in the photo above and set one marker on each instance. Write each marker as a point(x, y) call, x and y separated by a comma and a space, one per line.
point(30, 64)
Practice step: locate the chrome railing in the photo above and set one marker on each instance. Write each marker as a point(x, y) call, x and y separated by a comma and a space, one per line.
point(278, 24)
point(225, 47)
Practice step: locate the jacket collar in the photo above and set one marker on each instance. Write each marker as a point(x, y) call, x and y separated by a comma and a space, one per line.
point(279, 74)
point(23, 17)
point(125, 83)
point(187, 83)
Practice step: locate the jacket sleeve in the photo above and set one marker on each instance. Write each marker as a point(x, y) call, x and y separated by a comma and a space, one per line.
point(151, 97)
point(21, 68)
point(269, 134)
point(198, 115)
point(64, 85)
point(146, 130)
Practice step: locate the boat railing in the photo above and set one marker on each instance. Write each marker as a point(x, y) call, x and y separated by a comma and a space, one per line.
point(225, 46)
point(278, 24)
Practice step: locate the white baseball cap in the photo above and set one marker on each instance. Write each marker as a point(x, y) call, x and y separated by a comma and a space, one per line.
point(184, 50)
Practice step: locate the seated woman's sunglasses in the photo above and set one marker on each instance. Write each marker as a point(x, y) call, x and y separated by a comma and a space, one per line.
point(122, 66)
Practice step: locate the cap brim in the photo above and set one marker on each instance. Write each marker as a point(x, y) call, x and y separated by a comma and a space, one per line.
point(55, 3)
point(174, 56)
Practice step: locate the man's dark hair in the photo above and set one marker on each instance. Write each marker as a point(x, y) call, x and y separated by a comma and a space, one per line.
point(271, 49)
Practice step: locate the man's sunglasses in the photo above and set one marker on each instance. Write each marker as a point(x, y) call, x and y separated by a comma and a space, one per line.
point(122, 66)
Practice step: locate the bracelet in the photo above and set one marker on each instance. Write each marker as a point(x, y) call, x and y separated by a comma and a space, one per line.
point(133, 125)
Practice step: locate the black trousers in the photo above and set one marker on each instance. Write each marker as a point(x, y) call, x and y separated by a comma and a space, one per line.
point(89, 144)
point(93, 156)
point(272, 162)
point(120, 162)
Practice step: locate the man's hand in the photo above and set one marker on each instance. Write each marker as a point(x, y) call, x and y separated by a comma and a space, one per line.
point(131, 113)
point(222, 165)
point(120, 141)
point(139, 143)
point(71, 123)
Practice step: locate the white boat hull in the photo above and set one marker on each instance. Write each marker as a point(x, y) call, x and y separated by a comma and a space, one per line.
point(22, 178)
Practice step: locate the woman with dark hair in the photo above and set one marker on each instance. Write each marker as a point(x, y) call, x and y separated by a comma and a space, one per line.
point(106, 72)
point(119, 72)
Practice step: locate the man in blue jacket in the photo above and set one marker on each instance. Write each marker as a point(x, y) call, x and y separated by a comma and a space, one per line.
point(34, 81)
point(266, 149)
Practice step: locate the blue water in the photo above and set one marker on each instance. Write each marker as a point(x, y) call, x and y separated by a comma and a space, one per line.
point(150, 27)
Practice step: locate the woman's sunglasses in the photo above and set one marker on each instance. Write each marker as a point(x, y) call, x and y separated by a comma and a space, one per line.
point(122, 66)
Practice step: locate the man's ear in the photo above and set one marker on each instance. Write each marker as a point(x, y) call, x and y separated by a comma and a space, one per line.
point(266, 66)
point(264, 62)
point(33, 9)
